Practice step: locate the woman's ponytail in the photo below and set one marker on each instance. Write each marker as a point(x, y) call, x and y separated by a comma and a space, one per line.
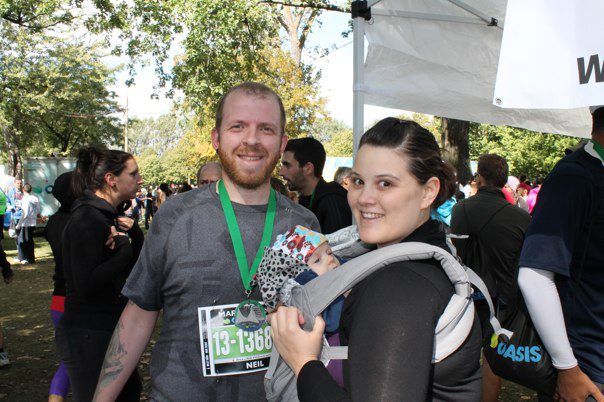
point(92, 166)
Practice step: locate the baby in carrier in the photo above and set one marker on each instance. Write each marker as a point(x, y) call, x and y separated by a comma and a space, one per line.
point(297, 257)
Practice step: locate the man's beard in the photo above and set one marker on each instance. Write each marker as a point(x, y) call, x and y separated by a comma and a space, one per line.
point(243, 179)
point(291, 184)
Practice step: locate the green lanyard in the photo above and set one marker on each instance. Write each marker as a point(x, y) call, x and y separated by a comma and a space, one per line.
point(312, 197)
point(247, 273)
point(599, 149)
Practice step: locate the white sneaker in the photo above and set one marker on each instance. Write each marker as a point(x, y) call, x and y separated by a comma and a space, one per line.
point(24, 262)
point(4, 359)
point(17, 260)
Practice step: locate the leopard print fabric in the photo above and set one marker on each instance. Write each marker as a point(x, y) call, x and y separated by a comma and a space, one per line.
point(274, 271)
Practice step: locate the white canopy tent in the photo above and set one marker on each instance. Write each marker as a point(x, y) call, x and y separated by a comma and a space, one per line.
point(440, 57)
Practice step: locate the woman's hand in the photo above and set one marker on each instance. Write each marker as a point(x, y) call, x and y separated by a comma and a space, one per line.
point(111, 240)
point(296, 346)
point(124, 223)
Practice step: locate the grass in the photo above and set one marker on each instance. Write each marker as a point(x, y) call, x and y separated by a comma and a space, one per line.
point(29, 333)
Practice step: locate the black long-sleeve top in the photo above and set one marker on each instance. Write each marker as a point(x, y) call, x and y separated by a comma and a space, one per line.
point(95, 274)
point(388, 323)
point(330, 206)
point(54, 232)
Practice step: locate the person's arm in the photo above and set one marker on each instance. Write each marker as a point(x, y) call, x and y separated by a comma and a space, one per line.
point(543, 303)
point(129, 340)
point(87, 246)
point(26, 211)
point(137, 238)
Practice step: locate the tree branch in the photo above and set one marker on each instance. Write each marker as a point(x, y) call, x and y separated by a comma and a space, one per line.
point(328, 7)
point(307, 27)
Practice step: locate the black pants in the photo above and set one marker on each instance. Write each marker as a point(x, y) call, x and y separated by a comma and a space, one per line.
point(25, 244)
point(148, 216)
point(83, 351)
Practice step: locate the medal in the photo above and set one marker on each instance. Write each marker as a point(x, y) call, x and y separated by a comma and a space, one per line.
point(249, 315)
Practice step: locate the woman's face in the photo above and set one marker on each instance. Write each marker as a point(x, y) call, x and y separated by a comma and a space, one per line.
point(387, 201)
point(129, 181)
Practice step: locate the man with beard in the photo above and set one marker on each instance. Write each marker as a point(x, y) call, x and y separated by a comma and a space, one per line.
point(198, 265)
point(302, 168)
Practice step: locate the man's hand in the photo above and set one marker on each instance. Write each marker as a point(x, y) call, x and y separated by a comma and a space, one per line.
point(575, 386)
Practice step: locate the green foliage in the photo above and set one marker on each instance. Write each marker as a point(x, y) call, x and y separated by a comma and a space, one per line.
point(229, 43)
point(340, 144)
point(325, 128)
point(179, 161)
point(223, 47)
point(54, 94)
point(335, 135)
point(527, 152)
point(156, 134)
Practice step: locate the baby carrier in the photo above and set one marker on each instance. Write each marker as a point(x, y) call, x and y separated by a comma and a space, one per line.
point(312, 298)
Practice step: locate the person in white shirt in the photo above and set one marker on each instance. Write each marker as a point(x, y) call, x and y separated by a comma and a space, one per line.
point(25, 227)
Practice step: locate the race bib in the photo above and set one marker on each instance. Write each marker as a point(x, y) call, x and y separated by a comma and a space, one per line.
point(227, 349)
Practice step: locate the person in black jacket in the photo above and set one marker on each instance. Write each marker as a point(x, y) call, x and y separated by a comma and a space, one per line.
point(389, 319)
point(99, 249)
point(61, 190)
point(302, 169)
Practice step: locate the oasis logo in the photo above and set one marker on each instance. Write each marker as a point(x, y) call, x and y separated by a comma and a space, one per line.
point(593, 66)
point(520, 353)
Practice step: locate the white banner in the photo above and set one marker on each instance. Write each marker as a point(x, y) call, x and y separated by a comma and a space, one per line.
point(552, 55)
point(436, 57)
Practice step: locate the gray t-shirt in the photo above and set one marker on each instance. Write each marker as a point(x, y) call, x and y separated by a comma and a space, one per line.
point(188, 261)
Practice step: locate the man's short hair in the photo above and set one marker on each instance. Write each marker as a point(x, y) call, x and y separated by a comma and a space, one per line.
point(341, 173)
point(307, 150)
point(494, 169)
point(27, 188)
point(252, 89)
point(597, 116)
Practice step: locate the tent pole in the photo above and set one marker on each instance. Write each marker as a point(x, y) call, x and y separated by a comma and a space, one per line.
point(358, 101)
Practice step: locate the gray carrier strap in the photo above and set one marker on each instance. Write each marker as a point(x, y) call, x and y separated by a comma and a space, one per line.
point(454, 324)
point(338, 281)
point(311, 299)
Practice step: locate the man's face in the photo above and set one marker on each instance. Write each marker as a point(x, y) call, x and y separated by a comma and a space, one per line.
point(291, 171)
point(19, 185)
point(249, 141)
point(210, 174)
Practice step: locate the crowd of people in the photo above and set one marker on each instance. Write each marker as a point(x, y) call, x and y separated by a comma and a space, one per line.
point(228, 253)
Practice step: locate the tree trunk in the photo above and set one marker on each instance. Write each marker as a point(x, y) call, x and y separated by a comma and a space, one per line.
point(455, 143)
point(15, 166)
point(291, 23)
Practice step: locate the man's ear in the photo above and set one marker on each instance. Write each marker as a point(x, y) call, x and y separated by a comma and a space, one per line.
point(309, 169)
point(215, 139)
point(284, 140)
point(430, 189)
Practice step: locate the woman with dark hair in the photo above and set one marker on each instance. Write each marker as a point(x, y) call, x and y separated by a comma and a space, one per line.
point(99, 249)
point(389, 319)
point(163, 193)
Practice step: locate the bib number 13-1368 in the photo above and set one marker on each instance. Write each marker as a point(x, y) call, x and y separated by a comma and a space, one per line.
point(227, 349)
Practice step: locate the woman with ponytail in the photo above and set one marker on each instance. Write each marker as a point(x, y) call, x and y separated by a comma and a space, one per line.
point(388, 320)
point(99, 250)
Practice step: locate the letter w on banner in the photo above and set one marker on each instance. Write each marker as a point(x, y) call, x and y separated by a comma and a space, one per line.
point(552, 55)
